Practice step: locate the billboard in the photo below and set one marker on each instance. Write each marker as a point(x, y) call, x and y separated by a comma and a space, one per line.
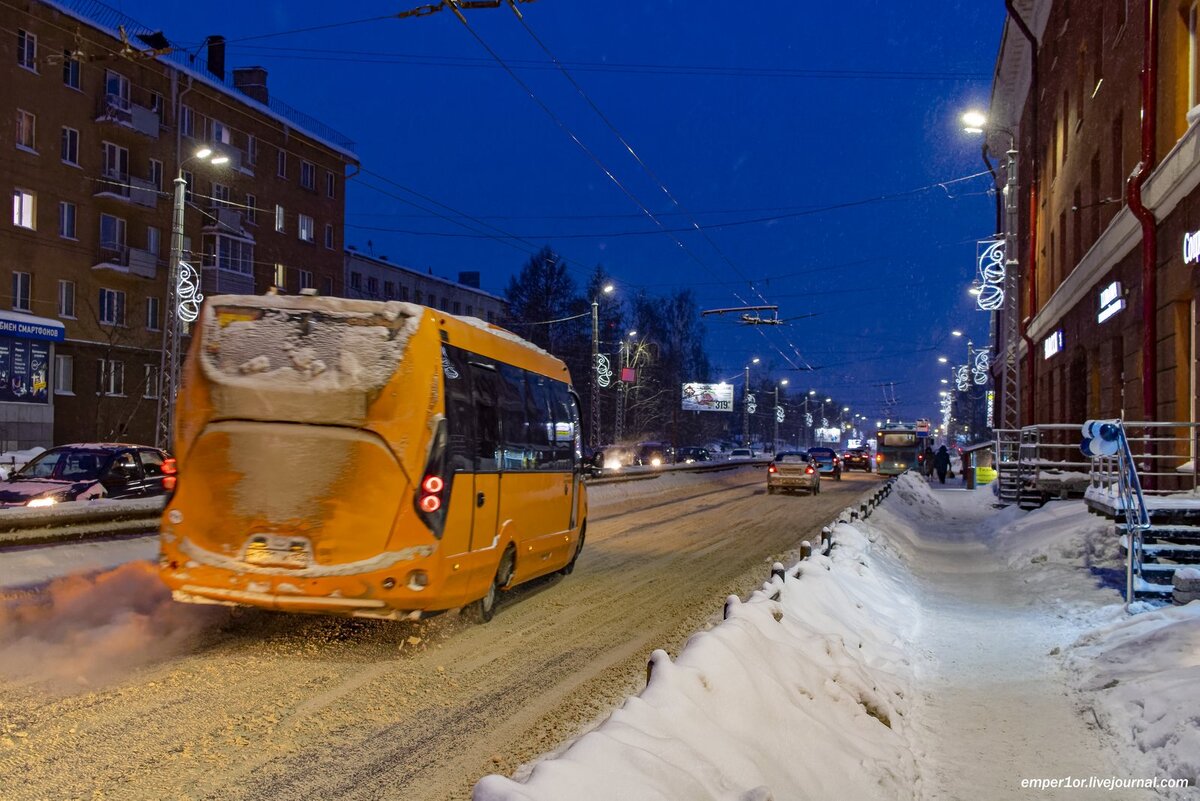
point(708, 397)
point(24, 371)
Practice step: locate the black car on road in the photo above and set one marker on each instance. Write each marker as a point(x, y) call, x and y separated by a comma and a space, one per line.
point(859, 458)
point(87, 471)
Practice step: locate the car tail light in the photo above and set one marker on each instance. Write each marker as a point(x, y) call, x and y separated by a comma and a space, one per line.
point(809, 470)
point(771, 468)
point(879, 458)
point(170, 474)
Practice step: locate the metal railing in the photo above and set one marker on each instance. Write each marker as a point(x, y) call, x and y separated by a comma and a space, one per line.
point(1133, 504)
point(1163, 453)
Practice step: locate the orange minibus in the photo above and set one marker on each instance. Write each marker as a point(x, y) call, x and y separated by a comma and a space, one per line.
point(365, 458)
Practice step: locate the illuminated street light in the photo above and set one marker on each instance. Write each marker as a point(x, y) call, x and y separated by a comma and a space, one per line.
point(956, 333)
point(974, 122)
point(942, 359)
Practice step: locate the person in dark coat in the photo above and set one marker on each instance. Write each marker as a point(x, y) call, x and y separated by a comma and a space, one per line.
point(941, 463)
point(927, 462)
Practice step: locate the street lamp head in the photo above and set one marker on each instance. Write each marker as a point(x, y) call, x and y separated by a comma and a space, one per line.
point(956, 333)
point(845, 408)
point(829, 400)
point(942, 360)
point(974, 290)
point(220, 160)
point(783, 383)
point(204, 152)
point(974, 122)
point(608, 288)
point(945, 381)
point(633, 333)
point(812, 392)
point(754, 360)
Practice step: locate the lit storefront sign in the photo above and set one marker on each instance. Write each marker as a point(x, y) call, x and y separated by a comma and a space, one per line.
point(1111, 301)
point(1052, 344)
point(1191, 247)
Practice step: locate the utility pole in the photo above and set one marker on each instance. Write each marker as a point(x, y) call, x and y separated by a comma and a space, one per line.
point(594, 433)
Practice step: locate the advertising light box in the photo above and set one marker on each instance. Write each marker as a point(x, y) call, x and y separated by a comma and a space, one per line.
point(708, 397)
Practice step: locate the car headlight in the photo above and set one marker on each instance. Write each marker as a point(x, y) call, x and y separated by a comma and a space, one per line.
point(655, 462)
point(48, 501)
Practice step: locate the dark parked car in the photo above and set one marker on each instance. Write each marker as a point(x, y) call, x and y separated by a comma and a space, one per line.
point(828, 463)
point(87, 471)
point(857, 458)
point(689, 455)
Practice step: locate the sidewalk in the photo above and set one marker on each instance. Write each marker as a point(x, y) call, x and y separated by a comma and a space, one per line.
point(995, 701)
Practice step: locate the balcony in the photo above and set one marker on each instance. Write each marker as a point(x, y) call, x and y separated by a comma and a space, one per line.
point(126, 260)
point(119, 110)
point(122, 186)
point(225, 220)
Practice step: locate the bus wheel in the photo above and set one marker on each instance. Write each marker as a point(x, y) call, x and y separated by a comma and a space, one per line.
point(569, 567)
point(484, 609)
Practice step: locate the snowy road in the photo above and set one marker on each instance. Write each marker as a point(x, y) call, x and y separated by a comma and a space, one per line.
point(113, 690)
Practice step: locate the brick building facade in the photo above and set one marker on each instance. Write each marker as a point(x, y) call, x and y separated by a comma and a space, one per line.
point(1088, 351)
point(99, 128)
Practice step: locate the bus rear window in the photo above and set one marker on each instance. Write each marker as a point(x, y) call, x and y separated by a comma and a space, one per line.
point(897, 439)
point(320, 343)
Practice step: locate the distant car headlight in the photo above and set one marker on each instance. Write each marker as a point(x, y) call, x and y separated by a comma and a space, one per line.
point(612, 464)
point(655, 462)
point(42, 502)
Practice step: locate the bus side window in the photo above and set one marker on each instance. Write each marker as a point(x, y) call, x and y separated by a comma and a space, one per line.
point(541, 422)
point(565, 425)
point(514, 434)
point(487, 425)
point(460, 414)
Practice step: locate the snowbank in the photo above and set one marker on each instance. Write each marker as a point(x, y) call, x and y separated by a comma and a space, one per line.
point(803, 698)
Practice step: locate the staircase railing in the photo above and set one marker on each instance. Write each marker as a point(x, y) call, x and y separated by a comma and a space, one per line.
point(1137, 517)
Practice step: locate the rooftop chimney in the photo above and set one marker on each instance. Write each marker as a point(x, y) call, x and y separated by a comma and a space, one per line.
point(252, 82)
point(216, 56)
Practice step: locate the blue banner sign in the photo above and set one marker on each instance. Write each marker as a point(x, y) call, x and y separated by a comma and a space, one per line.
point(28, 329)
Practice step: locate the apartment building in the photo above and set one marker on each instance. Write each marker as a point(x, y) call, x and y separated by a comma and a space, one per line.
point(376, 278)
point(100, 127)
point(1108, 290)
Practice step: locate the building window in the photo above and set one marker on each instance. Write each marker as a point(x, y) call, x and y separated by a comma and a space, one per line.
point(220, 194)
point(150, 389)
point(389, 290)
point(1193, 57)
point(229, 253)
point(279, 221)
point(156, 174)
point(417, 296)
point(188, 181)
point(112, 232)
point(20, 290)
point(70, 146)
point(305, 228)
point(66, 299)
point(220, 133)
point(25, 209)
point(152, 314)
point(330, 185)
point(281, 164)
point(153, 240)
point(251, 209)
point(116, 164)
point(457, 307)
point(64, 374)
point(187, 121)
point(66, 220)
point(70, 70)
point(1066, 121)
point(280, 275)
point(372, 286)
point(404, 294)
point(308, 175)
point(329, 236)
point(27, 50)
point(470, 310)
point(306, 279)
point(356, 281)
point(26, 130)
point(112, 306)
point(445, 305)
point(251, 149)
point(327, 285)
point(110, 377)
point(156, 103)
point(116, 87)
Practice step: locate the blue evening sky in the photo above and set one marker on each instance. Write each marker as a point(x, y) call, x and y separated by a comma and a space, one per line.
point(767, 128)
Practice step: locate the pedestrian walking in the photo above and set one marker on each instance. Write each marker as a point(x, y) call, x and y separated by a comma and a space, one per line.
point(927, 462)
point(941, 463)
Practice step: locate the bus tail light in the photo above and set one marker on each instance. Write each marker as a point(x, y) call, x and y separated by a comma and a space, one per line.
point(434, 490)
point(170, 472)
point(879, 458)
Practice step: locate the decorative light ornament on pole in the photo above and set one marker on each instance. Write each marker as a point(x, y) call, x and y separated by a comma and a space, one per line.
point(594, 429)
point(778, 416)
point(1003, 300)
point(182, 307)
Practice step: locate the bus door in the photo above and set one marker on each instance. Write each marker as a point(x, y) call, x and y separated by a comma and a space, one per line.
point(484, 386)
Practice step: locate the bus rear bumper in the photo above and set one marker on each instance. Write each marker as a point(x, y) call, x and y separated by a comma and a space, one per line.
point(354, 607)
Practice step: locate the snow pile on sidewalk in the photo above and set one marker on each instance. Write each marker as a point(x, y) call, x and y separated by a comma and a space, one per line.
point(1141, 676)
point(803, 698)
point(90, 629)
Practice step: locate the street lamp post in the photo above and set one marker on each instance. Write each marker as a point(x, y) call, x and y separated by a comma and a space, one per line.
point(746, 405)
point(183, 299)
point(594, 432)
point(775, 437)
